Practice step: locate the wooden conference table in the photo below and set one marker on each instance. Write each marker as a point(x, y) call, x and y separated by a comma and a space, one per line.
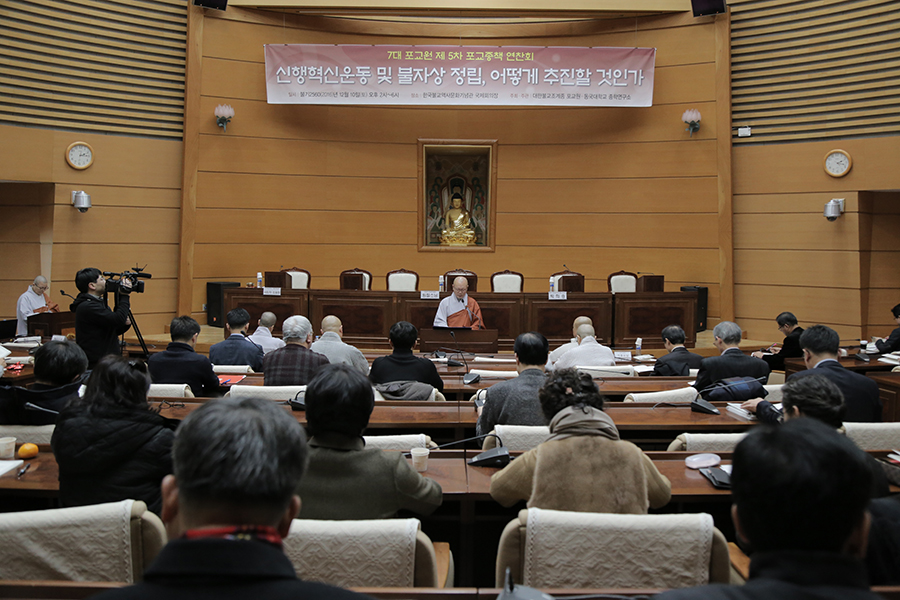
point(367, 316)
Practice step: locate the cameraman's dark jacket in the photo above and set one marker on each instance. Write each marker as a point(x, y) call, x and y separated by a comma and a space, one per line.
point(97, 327)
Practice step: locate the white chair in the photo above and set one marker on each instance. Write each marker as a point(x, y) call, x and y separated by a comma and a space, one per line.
point(874, 436)
point(34, 434)
point(278, 393)
point(398, 442)
point(373, 553)
point(896, 369)
point(232, 369)
point(170, 390)
point(693, 372)
point(494, 374)
point(99, 542)
point(298, 279)
point(622, 282)
point(774, 395)
point(614, 371)
point(577, 550)
point(518, 438)
point(567, 281)
point(402, 280)
point(705, 442)
point(507, 282)
point(681, 395)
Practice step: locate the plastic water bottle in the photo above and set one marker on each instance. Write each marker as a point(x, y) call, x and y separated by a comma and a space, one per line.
point(551, 284)
point(441, 282)
point(637, 346)
point(258, 279)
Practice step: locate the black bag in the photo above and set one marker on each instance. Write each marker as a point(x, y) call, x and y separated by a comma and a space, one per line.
point(734, 389)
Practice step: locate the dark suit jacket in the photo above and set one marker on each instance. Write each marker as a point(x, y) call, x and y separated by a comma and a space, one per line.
point(178, 363)
point(732, 363)
point(13, 400)
point(790, 348)
point(891, 344)
point(237, 350)
point(677, 362)
point(403, 365)
point(860, 392)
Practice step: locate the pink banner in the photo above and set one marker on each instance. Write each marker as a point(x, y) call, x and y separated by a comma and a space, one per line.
point(459, 75)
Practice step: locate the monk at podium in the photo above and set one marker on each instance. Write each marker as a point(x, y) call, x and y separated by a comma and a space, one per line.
point(458, 309)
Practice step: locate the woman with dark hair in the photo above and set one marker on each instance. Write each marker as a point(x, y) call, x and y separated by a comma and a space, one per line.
point(109, 444)
point(584, 466)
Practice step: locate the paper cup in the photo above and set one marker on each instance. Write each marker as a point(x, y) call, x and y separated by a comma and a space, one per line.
point(420, 458)
point(8, 448)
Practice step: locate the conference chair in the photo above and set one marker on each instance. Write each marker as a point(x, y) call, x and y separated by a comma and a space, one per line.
point(116, 541)
point(568, 281)
point(517, 438)
point(399, 442)
point(449, 276)
point(372, 553)
point(24, 434)
point(170, 390)
point(356, 279)
point(613, 371)
point(232, 369)
point(577, 550)
point(507, 282)
point(680, 396)
point(291, 279)
point(279, 393)
point(622, 282)
point(402, 280)
point(874, 436)
point(705, 442)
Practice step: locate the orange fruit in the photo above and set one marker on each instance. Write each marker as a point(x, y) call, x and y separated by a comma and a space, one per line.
point(28, 450)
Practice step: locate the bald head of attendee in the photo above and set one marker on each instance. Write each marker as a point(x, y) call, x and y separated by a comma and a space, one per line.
point(332, 323)
point(579, 321)
point(268, 320)
point(460, 287)
point(583, 331)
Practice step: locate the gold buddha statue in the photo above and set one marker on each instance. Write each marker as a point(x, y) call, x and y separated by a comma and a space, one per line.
point(457, 224)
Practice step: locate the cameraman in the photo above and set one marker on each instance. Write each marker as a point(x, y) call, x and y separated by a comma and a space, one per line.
point(96, 326)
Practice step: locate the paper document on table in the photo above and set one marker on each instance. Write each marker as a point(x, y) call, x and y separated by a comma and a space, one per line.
point(642, 369)
point(494, 360)
point(8, 465)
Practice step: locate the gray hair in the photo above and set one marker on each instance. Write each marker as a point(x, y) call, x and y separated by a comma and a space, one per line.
point(245, 453)
point(39, 280)
point(268, 319)
point(297, 327)
point(728, 332)
point(585, 330)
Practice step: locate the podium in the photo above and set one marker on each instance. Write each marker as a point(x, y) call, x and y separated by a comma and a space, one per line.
point(48, 323)
point(479, 341)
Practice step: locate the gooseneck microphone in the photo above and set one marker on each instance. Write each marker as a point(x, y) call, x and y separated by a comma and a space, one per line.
point(468, 378)
point(495, 457)
point(63, 292)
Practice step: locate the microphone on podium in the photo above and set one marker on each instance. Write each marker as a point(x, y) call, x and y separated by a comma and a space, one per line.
point(468, 378)
point(495, 457)
point(63, 292)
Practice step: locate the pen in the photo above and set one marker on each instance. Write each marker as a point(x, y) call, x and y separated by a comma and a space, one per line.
point(226, 381)
point(22, 472)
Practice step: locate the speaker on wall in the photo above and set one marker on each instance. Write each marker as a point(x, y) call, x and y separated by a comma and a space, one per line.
point(215, 301)
point(221, 4)
point(702, 303)
point(706, 7)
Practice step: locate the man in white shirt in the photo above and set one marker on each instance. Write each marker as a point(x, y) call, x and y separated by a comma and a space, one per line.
point(262, 337)
point(332, 345)
point(573, 343)
point(34, 300)
point(589, 353)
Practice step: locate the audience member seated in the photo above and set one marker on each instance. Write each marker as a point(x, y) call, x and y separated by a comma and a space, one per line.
point(818, 398)
point(588, 353)
point(584, 466)
point(179, 363)
point(236, 349)
point(58, 371)
point(891, 344)
point(110, 445)
point(229, 504)
point(732, 362)
point(883, 554)
point(344, 479)
point(332, 345)
point(790, 347)
point(262, 337)
point(799, 494)
point(515, 401)
point(820, 354)
point(573, 343)
point(402, 364)
point(295, 364)
point(678, 361)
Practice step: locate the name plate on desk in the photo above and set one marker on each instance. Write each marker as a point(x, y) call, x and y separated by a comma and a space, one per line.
point(271, 291)
point(429, 295)
point(557, 295)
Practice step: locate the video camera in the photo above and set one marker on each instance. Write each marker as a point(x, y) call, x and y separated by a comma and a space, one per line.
point(112, 285)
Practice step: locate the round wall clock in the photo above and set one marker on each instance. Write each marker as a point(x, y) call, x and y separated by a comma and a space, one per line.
point(80, 155)
point(837, 163)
